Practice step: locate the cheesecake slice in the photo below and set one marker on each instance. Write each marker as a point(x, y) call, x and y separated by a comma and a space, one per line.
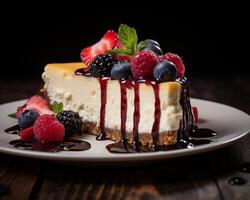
point(143, 111)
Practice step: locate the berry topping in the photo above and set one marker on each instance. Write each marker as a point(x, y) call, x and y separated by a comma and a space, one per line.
point(102, 65)
point(27, 118)
point(195, 114)
point(71, 121)
point(35, 103)
point(108, 41)
point(155, 49)
point(27, 134)
point(48, 129)
point(174, 58)
point(143, 64)
point(165, 71)
point(150, 45)
point(121, 70)
point(148, 42)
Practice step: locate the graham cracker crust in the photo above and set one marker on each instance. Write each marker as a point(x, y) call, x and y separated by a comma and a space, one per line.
point(165, 138)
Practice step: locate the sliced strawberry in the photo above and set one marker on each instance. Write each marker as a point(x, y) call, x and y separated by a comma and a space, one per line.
point(108, 41)
point(119, 45)
point(195, 114)
point(27, 134)
point(35, 103)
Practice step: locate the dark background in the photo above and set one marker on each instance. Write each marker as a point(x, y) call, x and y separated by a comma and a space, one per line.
point(212, 40)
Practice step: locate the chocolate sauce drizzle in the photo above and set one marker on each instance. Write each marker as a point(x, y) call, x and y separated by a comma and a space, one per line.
point(34, 145)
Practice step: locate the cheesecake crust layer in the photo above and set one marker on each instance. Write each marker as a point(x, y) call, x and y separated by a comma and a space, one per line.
point(165, 138)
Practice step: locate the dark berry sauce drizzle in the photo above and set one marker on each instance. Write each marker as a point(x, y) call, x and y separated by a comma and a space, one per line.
point(34, 145)
point(136, 117)
point(13, 129)
point(103, 86)
point(66, 145)
point(124, 84)
point(189, 135)
point(157, 115)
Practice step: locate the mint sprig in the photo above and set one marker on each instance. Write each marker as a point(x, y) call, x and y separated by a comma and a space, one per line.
point(129, 39)
point(128, 36)
point(57, 107)
point(121, 51)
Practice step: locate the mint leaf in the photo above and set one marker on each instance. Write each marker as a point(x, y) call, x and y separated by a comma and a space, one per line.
point(57, 107)
point(128, 37)
point(120, 51)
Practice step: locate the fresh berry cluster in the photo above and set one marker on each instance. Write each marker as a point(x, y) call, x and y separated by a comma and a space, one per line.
point(120, 56)
point(37, 121)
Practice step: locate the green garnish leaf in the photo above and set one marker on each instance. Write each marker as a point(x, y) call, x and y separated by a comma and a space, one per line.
point(120, 51)
point(57, 107)
point(128, 37)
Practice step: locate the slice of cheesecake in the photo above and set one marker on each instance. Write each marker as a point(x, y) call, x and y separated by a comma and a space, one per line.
point(143, 111)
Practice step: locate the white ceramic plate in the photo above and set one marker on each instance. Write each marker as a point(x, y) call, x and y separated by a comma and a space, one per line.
point(230, 124)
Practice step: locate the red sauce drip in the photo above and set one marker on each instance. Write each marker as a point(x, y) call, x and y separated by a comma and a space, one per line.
point(123, 109)
point(103, 85)
point(157, 114)
point(136, 116)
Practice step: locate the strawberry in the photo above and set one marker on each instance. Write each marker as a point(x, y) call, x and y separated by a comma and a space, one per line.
point(174, 58)
point(27, 134)
point(195, 114)
point(35, 103)
point(108, 41)
point(119, 45)
point(48, 129)
point(143, 64)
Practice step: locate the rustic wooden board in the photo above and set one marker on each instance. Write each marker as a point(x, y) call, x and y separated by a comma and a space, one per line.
point(20, 177)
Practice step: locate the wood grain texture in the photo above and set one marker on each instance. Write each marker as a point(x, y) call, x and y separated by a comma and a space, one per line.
point(20, 176)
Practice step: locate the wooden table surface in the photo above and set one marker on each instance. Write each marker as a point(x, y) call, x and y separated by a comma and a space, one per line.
point(203, 176)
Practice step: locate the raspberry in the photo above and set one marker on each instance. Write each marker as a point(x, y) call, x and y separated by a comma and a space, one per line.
point(143, 64)
point(48, 129)
point(195, 114)
point(27, 134)
point(71, 121)
point(174, 58)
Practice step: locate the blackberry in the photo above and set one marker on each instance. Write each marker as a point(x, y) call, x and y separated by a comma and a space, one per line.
point(101, 65)
point(71, 121)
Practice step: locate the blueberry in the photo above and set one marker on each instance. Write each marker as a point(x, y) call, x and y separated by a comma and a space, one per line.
point(121, 70)
point(156, 49)
point(151, 45)
point(165, 71)
point(149, 42)
point(27, 119)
